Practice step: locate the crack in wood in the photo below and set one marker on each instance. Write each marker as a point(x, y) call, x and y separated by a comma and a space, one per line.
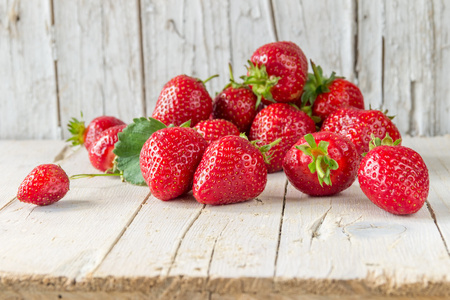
point(280, 230)
point(142, 57)
point(433, 215)
point(315, 228)
point(183, 235)
point(273, 23)
point(212, 253)
point(119, 236)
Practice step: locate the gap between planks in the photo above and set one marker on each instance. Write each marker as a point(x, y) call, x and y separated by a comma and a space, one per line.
point(119, 236)
point(280, 230)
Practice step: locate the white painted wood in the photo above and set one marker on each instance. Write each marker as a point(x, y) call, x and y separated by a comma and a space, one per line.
point(28, 102)
point(437, 158)
point(99, 60)
point(18, 158)
point(409, 65)
point(190, 37)
point(70, 238)
point(324, 30)
point(370, 52)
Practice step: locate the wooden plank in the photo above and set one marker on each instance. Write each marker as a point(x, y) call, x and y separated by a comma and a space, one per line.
point(99, 59)
point(441, 56)
point(251, 26)
point(436, 158)
point(18, 158)
point(324, 30)
point(344, 244)
point(409, 65)
point(62, 242)
point(28, 102)
point(370, 51)
point(190, 38)
point(184, 242)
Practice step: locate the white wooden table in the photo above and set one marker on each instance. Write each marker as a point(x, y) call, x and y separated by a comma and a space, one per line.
point(111, 240)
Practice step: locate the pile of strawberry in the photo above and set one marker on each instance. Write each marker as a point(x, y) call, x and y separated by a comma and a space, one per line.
point(279, 118)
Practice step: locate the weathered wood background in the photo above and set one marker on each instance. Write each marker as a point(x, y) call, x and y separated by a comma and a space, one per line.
point(60, 57)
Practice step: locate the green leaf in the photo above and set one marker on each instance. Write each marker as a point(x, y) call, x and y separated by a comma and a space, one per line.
point(128, 148)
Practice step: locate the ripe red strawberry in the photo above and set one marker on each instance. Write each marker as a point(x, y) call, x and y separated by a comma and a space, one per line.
point(212, 130)
point(183, 98)
point(277, 72)
point(394, 177)
point(280, 120)
point(168, 161)
point(326, 95)
point(358, 125)
point(88, 135)
point(322, 164)
point(231, 170)
point(46, 184)
point(101, 152)
point(237, 104)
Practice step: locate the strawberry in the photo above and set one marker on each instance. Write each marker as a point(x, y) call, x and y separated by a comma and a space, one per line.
point(183, 98)
point(277, 72)
point(236, 103)
point(168, 161)
point(212, 130)
point(280, 120)
point(358, 125)
point(46, 184)
point(321, 164)
point(101, 152)
point(326, 95)
point(88, 135)
point(231, 170)
point(394, 177)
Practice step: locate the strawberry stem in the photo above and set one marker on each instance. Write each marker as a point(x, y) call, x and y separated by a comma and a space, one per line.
point(79, 176)
point(209, 78)
point(321, 163)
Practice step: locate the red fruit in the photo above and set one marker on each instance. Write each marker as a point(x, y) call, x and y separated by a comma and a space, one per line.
point(326, 95)
point(88, 135)
point(232, 170)
point(212, 130)
point(277, 72)
point(237, 105)
point(394, 177)
point(321, 164)
point(280, 120)
point(101, 152)
point(46, 184)
point(182, 99)
point(358, 125)
point(168, 161)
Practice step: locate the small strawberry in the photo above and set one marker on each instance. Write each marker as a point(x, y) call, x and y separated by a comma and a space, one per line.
point(231, 170)
point(101, 152)
point(280, 120)
point(322, 164)
point(394, 177)
point(46, 184)
point(88, 135)
point(277, 72)
point(168, 161)
point(358, 125)
point(183, 98)
point(212, 130)
point(237, 104)
point(326, 95)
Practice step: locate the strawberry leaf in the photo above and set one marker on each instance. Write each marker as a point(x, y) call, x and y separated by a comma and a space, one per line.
point(128, 148)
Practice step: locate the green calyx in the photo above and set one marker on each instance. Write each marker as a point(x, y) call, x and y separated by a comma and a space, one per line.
point(387, 141)
point(209, 78)
point(316, 84)
point(76, 128)
point(260, 81)
point(321, 163)
point(264, 149)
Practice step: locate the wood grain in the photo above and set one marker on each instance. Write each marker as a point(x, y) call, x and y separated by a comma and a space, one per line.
point(98, 60)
